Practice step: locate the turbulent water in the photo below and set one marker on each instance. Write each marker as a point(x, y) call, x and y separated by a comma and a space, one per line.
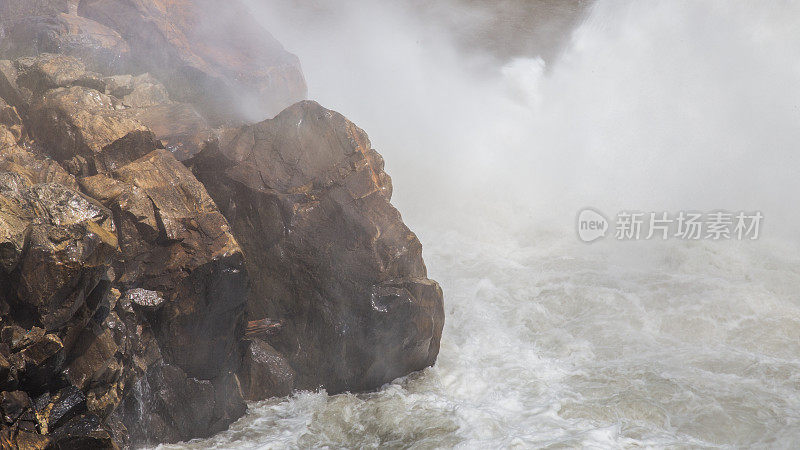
point(550, 342)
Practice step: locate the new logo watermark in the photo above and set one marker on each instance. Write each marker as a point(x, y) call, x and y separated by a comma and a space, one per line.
point(686, 225)
point(592, 225)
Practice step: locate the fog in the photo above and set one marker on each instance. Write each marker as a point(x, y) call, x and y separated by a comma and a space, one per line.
point(637, 105)
point(651, 105)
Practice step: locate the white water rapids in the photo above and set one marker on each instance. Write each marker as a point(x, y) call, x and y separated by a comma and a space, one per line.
point(550, 342)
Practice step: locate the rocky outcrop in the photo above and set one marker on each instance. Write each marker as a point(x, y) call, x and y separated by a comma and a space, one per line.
point(210, 55)
point(92, 123)
point(64, 257)
point(57, 248)
point(144, 299)
point(20, 168)
point(309, 202)
point(175, 242)
point(203, 47)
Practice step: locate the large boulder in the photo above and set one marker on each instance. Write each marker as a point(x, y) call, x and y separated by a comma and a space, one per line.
point(211, 54)
point(176, 243)
point(308, 200)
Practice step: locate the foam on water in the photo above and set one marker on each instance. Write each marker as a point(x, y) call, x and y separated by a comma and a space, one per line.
point(550, 342)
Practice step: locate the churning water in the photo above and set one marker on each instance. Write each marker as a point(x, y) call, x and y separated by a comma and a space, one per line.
point(549, 342)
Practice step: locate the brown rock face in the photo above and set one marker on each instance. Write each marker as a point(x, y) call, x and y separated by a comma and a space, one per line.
point(309, 201)
point(78, 122)
point(179, 126)
point(57, 248)
point(101, 48)
point(20, 168)
point(10, 91)
point(11, 129)
point(175, 242)
point(49, 71)
point(16, 9)
point(92, 123)
point(206, 406)
point(204, 47)
point(265, 373)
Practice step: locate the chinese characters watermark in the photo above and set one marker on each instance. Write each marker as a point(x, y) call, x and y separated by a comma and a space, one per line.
point(685, 225)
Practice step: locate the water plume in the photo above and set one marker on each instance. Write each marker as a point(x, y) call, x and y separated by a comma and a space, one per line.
point(653, 105)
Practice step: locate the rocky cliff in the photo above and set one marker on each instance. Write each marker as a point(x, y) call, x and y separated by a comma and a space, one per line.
point(163, 259)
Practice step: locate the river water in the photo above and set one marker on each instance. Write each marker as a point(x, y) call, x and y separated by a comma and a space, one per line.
point(548, 341)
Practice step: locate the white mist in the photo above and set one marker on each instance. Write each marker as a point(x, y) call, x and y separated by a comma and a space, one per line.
point(548, 341)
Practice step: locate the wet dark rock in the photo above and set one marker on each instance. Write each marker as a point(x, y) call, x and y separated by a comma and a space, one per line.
point(5, 369)
point(265, 373)
point(63, 406)
point(68, 247)
point(229, 403)
point(110, 356)
point(175, 242)
point(85, 431)
point(223, 63)
point(12, 335)
point(30, 441)
point(25, 338)
point(27, 422)
point(206, 407)
point(38, 364)
point(308, 200)
point(44, 349)
point(13, 404)
point(99, 370)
